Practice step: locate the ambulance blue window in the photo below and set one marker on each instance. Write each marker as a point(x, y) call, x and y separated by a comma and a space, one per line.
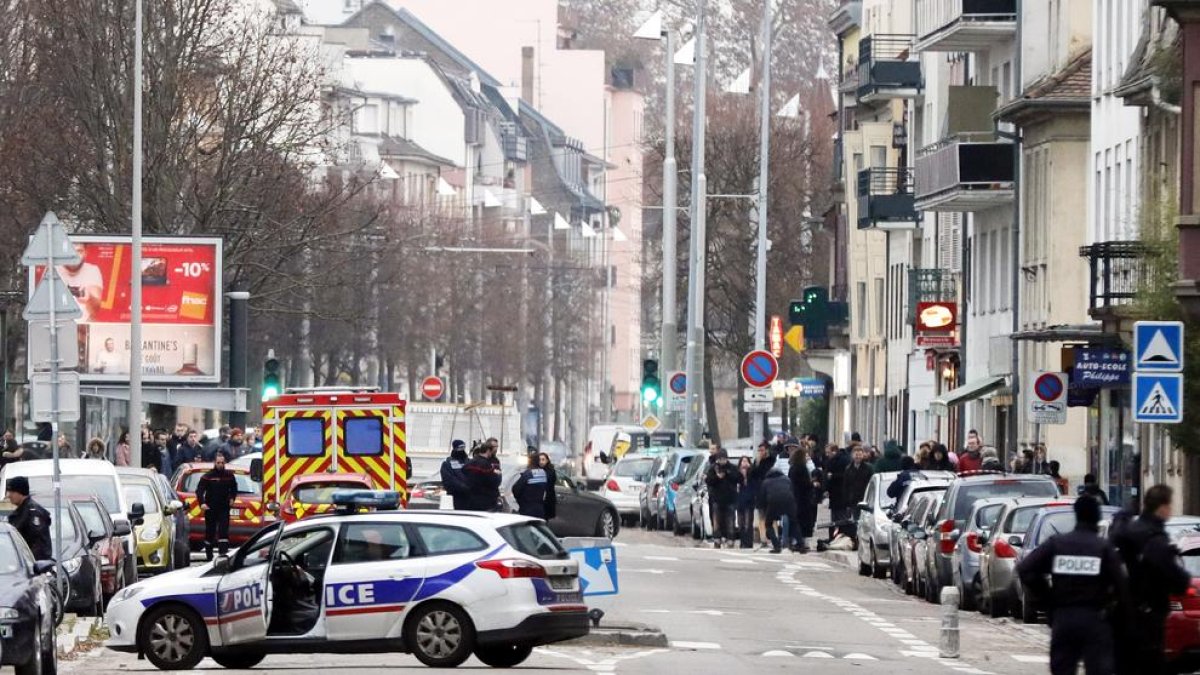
point(305, 437)
point(364, 436)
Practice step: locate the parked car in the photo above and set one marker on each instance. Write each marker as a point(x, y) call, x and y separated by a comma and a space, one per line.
point(579, 512)
point(998, 558)
point(909, 533)
point(83, 477)
point(156, 533)
point(27, 628)
point(874, 519)
point(691, 502)
point(182, 551)
point(624, 484)
point(925, 550)
point(81, 562)
point(427, 493)
point(964, 561)
point(105, 535)
point(246, 516)
point(1047, 522)
point(962, 494)
point(1182, 638)
point(312, 494)
point(597, 452)
point(648, 497)
point(899, 543)
point(673, 472)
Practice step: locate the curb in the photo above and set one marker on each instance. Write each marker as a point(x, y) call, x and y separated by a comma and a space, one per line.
point(628, 635)
point(847, 559)
point(79, 634)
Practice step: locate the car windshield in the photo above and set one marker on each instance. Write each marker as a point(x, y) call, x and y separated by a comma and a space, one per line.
point(986, 516)
point(685, 463)
point(638, 469)
point(1019, 520)
point(969, 494)
point(102, 487)
point(92, 518)
point(10, 561)
point(245, 486)
point(321, 493)
point(140, 493)
point(1055, 522)
point(68, 524)
point(533, 539)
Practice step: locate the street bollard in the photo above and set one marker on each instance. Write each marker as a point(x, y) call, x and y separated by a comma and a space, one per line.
point(948, 645)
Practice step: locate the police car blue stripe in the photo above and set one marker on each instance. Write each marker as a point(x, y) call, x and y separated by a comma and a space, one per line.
point(446, 580)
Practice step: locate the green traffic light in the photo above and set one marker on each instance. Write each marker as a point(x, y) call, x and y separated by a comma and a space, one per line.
point(649, 395)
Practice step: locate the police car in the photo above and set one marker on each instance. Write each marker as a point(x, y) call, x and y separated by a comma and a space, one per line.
point(441, 585)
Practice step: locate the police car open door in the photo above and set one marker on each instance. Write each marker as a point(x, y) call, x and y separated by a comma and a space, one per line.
point(243, 594)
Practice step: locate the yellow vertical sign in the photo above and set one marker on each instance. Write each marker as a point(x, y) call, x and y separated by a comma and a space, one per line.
point(795, 338)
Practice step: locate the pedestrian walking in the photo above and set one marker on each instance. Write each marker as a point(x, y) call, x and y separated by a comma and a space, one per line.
point(858, 476)
point(745, 503)
point(972, 459)
point(800, 473)
point(1155, 574)
point(483, 481)
point(1091, 487)
point(939, 458)
point(216, 493)
point(723, 480)
point(29, 519)
point(1085, 577)
point(534, 488)
point(178, 437)
point(96, 450)
point(836, 462)
point(779, 505)
point(190, 451)
point(763, 462)
point(453, 480)
point(124, 454)
point(543, 461)
point(160, 458)
point(235, 446)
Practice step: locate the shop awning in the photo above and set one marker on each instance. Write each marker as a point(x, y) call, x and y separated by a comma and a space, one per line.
point(968, 392)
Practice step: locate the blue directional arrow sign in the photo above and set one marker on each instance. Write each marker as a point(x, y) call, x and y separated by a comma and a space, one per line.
point(1158, 398)
point(597, 569)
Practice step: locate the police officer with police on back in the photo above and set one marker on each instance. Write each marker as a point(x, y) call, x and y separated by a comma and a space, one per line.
point(30, 519)
point(1078, 575)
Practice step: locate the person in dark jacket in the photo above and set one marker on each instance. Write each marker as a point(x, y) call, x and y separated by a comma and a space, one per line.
point(763, 462)
point(800, 476)
point(29, 519)
point(836, 461)
point(1155, 574)
point(747, 494)
point(1091, 487)
point(551, 505)
point(908, 466)
point(454, 482)
point(1079, 575)
point(531, 491)
point(483, 482)
point(891, 458)
point(216, 493)
point(779, 505)
point(858, 475)
point(939, 459)
point(723, 480)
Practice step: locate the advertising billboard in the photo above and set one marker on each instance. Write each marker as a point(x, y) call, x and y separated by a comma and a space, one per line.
point(181, 308)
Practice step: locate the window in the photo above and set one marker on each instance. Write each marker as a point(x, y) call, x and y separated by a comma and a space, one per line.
point(364, 436)
point(444, 540)
point(534, 539)
point(102, 487)
point(245, 486)
point(140, 493)
point(862, 309)
point(372, 542)
point(94, 519)
point(880, 305)
point(10, 557)
point(305, 437)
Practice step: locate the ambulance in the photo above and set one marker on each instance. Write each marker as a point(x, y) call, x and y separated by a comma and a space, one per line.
point(326, 431)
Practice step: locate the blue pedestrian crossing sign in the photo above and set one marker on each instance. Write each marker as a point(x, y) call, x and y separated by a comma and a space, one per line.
point(1158, 398)
point(1158, 346)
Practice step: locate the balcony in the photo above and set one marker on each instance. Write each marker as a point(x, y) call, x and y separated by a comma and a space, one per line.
point(1117, 270)
point(964, 25)
point(885, 199)
point(969, 171)
point(887, 69)
point(848, 15)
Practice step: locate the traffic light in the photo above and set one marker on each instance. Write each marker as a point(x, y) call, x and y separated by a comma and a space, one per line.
point(272, 385)
point(651, 387)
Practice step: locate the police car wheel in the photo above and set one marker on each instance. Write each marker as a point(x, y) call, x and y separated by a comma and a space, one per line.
point(440, 635)
point(503, 656)
point(173, 638)
point(239, 660)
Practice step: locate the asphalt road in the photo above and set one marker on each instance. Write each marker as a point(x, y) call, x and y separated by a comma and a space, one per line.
point(731, 611)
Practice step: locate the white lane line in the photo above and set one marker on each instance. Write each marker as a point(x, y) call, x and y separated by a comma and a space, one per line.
point(778, 652)
point(682, 644)
point(817, 655)
point(638, 571)
point(1031, 658)
point(738, 561)
point(860, 657)
point(663, 558)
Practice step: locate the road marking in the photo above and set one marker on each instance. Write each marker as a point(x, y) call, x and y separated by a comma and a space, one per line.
point(860, 657)
point(1031, 658)
point(664, 558)
point(738, 561)
point(777, 652)
point(681, 644)
point(817, 655)
point(638, 571)
point(607, 664)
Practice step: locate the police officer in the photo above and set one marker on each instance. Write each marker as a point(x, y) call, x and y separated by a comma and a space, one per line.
point(30, 519)
point(453, 480)
point(531, 490)
point(1085, 575)
point(216, 493)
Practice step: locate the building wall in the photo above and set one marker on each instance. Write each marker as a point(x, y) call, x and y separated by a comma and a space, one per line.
point(626, 112)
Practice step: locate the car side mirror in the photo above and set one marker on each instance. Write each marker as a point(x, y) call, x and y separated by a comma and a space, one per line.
point(137, 513)
point(95, 537)
point(43, 566)
point(862, 507)
point(222, 565)
point(172, 507)
point(121, 528)
point(984, 538)
point(256, 470)
point(1016, 540)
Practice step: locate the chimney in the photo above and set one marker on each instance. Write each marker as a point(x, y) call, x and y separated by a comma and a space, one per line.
point(527, 74)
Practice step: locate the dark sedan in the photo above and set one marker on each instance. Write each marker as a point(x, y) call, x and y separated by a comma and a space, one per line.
point(579, 513)
point(26, 608)
point(106, 541)
point(81, 561)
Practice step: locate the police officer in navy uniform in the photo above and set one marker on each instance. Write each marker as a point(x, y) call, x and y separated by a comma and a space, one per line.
point(30, 519)
point(453, 480)
point(1078, 575)
point(532, 488)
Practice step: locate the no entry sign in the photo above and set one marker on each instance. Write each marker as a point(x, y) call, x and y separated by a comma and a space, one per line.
point(759, 368)
point(432, 388)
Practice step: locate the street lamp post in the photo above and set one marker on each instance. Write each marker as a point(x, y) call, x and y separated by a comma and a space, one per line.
point(699, 248)
point(760, 299)
point(135, 262)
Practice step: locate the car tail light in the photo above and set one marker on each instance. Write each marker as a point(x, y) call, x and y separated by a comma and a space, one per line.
point(513, 568)
point(1003, 549)
point(973, 542)
point(612, 486)
point(945, 536)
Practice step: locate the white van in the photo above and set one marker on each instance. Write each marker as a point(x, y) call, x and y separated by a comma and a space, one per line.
point(600, 442)
point(81, 477)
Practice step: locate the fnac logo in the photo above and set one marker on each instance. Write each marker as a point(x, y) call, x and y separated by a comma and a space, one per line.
point(195, 306)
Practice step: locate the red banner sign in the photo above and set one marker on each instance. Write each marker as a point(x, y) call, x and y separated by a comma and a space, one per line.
point(775, 336)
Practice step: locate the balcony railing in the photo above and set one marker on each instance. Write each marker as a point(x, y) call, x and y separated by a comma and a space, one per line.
point(885, 199)
point(888, 68)
point(965, 172)
point(930, 285)
point(1117, 271)
point(964, 25)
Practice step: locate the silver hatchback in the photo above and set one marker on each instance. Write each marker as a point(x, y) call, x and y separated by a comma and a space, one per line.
point(998, 559)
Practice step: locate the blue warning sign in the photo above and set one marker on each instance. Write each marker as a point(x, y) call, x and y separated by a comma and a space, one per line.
point(1158, 346)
